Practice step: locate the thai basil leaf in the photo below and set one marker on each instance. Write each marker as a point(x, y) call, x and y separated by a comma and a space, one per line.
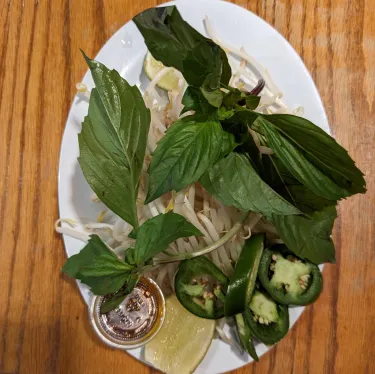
point(233, 97)
point(187, 35)
point(309, 238)
point(234, 182)
point(98, 267)
point(203, 62)
point(204, 68)
point(129, 253)
point(249, 148)
point(225, 113)
point(298, 165)
point(175, 43)
point(322, 150)
point(190, 146)
point(193, 99)
point(213, 96)
point(113, 141)
point(239, 131)
point(112, 301)
point(155, 235)
point(226, 71)
point(238, 124)
point(243, 116)
point(305, 200)
point(228, 145)
point(167, 36)
point(275, 174)
point(251, 102)
point(241, 98)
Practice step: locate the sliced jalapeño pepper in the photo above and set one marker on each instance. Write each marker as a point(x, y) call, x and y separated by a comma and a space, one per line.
point(245, 336)
point(288, 279)
point(268, 320)
point(200, 287)
point(242, 282)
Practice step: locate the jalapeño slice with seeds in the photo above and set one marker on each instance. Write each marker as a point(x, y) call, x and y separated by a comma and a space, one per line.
point(288, 279)
point(268, 320)
point(200, 287)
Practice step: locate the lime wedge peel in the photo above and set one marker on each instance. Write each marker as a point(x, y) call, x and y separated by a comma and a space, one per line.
point(182, 341)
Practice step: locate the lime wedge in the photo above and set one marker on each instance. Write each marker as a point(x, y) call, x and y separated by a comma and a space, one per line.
point(182, 341)
point(170, 80)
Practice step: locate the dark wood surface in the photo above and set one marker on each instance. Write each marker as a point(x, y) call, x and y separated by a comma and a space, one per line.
point(43, 321)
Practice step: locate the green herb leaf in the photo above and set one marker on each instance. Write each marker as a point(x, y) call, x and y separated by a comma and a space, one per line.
point(278, 177)
point(203, 67)
point(190, 146)
point(298, 165)
point(234, 181)
point(238, 130)
point(306, 200)
point(233, 97)
point(237, 97)
point(167, 36)
point(214, 96)
point(228, 145)
point(98, 267)
point(175, 43)
point(193, 99)
point(309, 238)
point(321, 150)
point(203, 62)
point(155, 235)
point(243, 116)
point(113, 141)
point(129, 253)
point(225, 113)
point(252, 102)
point(112, 301)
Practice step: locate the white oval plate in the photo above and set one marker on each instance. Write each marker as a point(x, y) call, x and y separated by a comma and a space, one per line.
point(125, 52)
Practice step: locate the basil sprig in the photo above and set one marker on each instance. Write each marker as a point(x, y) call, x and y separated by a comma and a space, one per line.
point(99, 268)
point(113, 140)
point(175, 43)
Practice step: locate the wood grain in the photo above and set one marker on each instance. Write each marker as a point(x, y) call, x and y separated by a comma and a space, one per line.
point(43, 321)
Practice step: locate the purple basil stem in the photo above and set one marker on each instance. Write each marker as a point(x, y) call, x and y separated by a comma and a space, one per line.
point(258, 88)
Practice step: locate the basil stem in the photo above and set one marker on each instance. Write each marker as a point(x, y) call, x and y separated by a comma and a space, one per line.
point(184, 256)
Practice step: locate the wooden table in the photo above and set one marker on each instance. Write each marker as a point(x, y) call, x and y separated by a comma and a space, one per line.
point(43, 321)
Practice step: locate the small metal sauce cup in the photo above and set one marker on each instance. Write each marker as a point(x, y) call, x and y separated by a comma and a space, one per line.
point(135, 321)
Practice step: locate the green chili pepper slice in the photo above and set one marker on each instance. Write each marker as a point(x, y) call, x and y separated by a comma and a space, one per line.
point(242, 282)
point(200, 287)
point(245, 336)
point(288, 279)
point(268, 320)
